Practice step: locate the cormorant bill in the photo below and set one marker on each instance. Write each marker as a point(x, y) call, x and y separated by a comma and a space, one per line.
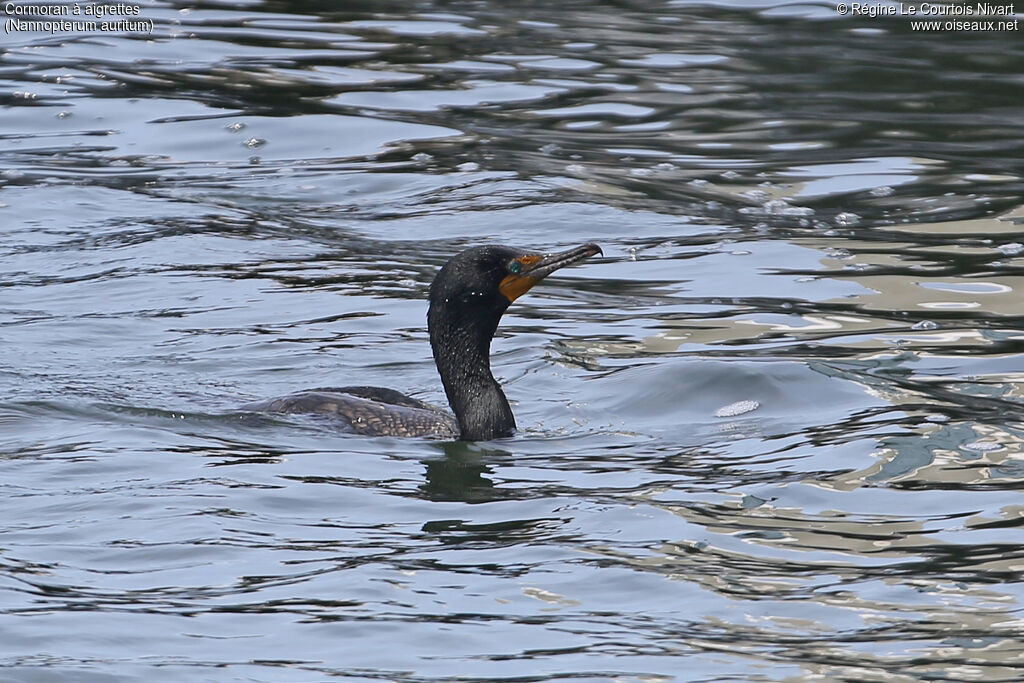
point(467, 299)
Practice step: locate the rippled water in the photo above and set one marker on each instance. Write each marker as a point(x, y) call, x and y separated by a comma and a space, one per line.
point(773, 435)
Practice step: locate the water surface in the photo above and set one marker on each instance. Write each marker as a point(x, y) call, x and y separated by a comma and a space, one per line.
point(774, 434)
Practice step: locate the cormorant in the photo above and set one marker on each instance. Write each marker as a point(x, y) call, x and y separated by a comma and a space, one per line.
point(467, 299)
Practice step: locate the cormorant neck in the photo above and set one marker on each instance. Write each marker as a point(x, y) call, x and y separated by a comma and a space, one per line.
point(461, 341)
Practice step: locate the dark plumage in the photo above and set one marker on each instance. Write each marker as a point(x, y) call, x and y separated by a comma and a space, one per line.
point(467, 299)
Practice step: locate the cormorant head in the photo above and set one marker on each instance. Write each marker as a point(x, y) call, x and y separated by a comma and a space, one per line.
point(482, 281)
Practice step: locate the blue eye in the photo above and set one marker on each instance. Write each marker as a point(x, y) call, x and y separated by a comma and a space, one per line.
point(515, 267)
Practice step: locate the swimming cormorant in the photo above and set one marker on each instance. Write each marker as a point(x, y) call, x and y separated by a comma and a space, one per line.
point(467, 299)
